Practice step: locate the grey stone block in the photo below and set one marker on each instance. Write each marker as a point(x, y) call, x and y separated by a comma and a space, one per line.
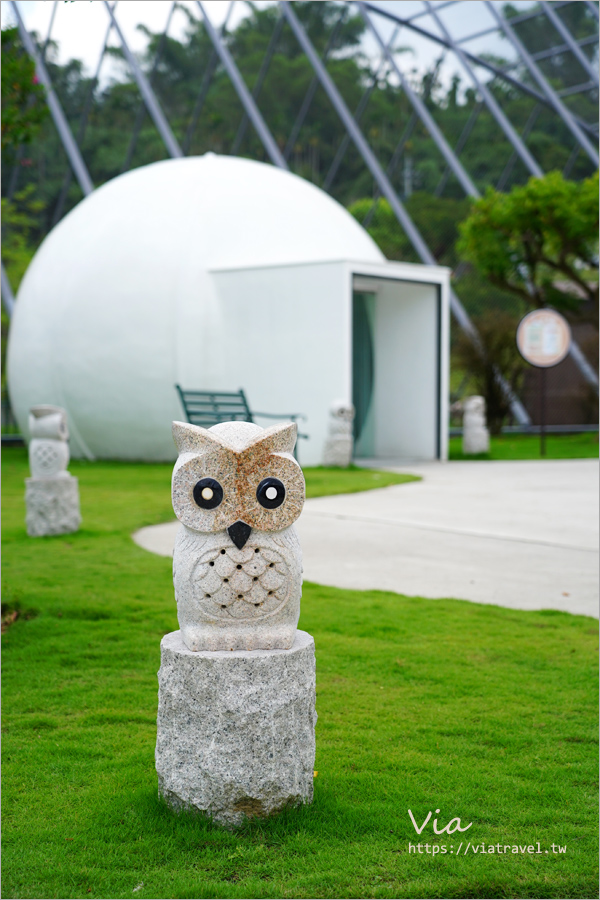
point(236, 730)
point(52, 505)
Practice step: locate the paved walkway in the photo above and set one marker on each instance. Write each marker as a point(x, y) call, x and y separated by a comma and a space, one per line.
point(516, 534)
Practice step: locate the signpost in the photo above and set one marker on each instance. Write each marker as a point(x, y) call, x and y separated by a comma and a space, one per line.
point(543, 340)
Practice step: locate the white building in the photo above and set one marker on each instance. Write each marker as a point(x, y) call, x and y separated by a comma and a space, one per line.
point(220, 273)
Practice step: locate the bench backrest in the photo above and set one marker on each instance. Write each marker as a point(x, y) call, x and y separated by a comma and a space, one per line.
point(208, 408)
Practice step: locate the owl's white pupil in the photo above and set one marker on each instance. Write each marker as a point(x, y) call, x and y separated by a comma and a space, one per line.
point(207, 493)
point(271, 493)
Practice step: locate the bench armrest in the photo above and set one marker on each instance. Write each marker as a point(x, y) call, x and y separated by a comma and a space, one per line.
point(292, 416)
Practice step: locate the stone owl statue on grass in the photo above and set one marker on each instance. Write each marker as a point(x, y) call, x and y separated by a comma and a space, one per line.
point(237, 566)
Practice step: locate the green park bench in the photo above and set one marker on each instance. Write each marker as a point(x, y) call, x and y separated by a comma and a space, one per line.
point(208, 408)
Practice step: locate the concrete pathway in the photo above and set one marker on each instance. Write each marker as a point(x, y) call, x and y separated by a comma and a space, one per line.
point(516, 534)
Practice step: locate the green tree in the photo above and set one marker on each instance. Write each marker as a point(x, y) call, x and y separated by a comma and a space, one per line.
point(23, 98)
point(539, 241)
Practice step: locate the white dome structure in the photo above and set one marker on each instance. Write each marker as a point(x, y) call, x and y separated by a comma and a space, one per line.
point(122, 300)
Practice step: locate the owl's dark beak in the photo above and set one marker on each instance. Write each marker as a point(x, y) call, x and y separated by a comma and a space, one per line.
point(239, 533)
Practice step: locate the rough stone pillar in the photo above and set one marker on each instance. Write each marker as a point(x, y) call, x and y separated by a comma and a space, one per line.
point(236, 729)
point(52, 505)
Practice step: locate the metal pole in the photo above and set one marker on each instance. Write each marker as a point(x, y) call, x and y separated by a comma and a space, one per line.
point(204, 86)
point(16, 169)
point(554, 101)
point(423, 113)
point(358, 114)
point(582, 364)
point(560, 48)
point(385, 186)
point(8, 298)
point(476, 60)
point(542, 411)
point(593, 7)
point(391, 166)
point(357, 136)
point(152, 104)
point(489, 99)
point(568, 38)
point(571, 161)
point(139, 119)
point(264, 68)
point(62, 126)
point(312, 88)
point(243, 93)
point(464, 136)
point(502, 181)
point(81, 130)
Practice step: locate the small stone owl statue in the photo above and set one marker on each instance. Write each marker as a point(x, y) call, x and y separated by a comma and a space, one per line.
point(237, 565)
point(339, 444)
point(476, 437)
point(48, 447)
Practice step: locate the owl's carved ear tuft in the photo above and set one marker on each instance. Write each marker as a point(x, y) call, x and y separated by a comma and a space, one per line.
point(278, 438)
point(193, 438)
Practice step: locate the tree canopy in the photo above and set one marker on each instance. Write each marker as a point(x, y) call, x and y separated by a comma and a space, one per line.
point(538, 240)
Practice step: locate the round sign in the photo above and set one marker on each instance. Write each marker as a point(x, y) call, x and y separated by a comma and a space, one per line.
point(543, 338)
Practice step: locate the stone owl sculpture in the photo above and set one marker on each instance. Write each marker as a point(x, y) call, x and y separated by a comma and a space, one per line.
point(237, 564)
point(48, 448)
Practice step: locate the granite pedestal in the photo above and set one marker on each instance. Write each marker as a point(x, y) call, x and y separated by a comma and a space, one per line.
point(52, 505)
point(236, 729)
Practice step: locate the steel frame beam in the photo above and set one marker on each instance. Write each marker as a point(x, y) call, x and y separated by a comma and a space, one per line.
point(551, 96)
point(489, 99)
point(571, 161)
point(392, 165)
point(357, 136)
point(386, 188)
point(358, 114)
point(14, 175)
point(205, 85)
point(148, 95)
point(577, 89)
point(563, 48)
point(515, 20)
point(262, 73)
point(243, 93)
point(531, 120)
point(422, 111)
point(140, 115)
point(420, 15)
point(593, 7)
point(8, 298)
point(62, 197)
point(312, 88)
point(568, 39)
point(476, 60)
point(459, 146)
point(56, 111)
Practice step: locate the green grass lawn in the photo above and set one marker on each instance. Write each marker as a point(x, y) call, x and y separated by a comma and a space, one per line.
point(322, 481)
point(527, 446)
point(484, 713)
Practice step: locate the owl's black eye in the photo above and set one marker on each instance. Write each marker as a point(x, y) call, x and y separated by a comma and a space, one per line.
point(208, 493)
point(270, 493)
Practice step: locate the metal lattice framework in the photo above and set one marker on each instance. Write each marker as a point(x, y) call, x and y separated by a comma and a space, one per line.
point(524, 75)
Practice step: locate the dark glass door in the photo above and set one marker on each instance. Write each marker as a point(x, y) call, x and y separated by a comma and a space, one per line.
point(363, 367)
